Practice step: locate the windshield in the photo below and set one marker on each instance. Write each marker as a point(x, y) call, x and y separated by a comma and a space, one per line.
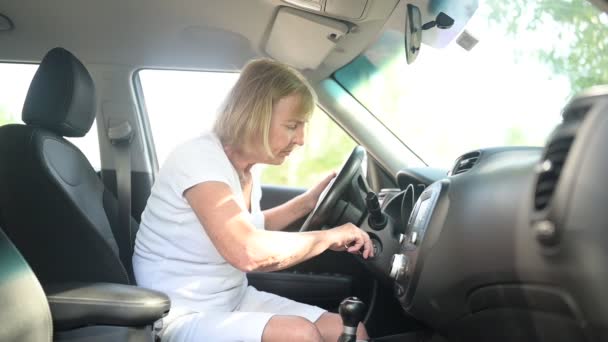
point(531, 56)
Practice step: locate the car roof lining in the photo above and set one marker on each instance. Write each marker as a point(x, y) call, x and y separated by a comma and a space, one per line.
point(179, 34)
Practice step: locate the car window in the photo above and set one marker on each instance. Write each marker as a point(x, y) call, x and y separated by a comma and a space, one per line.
point(509, 89)
point(180, 105)
point(326, 148)
point(14, 84)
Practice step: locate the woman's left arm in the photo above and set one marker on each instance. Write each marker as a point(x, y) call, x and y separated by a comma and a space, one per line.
point(279, 217)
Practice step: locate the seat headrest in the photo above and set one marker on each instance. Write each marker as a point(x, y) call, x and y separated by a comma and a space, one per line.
point(61, 97)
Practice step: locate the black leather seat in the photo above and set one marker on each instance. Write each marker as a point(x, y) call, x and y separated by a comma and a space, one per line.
point(53, 205)
point(25, 314)
point(63, 220)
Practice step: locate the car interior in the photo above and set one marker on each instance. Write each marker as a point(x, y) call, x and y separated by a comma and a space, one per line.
point(506, 243)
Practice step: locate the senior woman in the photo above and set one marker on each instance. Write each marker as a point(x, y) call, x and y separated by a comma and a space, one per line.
point(202, 228)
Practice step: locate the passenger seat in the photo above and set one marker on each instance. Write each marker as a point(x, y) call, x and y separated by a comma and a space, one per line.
point(54, 207)
point(63, 220)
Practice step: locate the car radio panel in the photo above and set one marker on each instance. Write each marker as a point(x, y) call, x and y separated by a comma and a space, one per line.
point(403, 264)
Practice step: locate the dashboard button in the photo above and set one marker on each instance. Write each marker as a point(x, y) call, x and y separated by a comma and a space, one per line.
point(414, 238)
point(399, 265)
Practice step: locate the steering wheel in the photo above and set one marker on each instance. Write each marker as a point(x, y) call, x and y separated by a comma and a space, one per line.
point(334, 190)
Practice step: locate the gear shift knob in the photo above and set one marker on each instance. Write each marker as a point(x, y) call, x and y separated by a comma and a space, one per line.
point(352, 311)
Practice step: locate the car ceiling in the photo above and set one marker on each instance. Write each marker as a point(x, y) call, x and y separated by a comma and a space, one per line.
point(182, 34)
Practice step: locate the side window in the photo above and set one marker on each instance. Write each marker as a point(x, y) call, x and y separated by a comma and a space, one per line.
point(326, 147)
point(14, 84)
point(183, 104)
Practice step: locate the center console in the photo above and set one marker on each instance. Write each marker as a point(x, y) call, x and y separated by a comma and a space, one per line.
point(416, 239)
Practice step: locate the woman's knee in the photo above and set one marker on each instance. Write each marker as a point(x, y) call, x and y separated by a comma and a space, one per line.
point(362, 332)
point(308, 332)
point(292, 328)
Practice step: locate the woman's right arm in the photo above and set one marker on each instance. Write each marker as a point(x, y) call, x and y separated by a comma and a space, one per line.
point(250, 249)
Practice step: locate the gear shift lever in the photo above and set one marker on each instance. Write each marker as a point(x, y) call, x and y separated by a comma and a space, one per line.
point(352, 311)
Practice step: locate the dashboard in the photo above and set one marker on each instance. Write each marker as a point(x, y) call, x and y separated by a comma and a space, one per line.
point(512, 243)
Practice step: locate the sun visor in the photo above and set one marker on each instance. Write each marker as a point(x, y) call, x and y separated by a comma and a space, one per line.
point(302, 39)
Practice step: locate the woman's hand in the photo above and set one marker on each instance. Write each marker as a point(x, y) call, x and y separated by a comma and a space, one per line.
point(312, 195)
point(350, 238)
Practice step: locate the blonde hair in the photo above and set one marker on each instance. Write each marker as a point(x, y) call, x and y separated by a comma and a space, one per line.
point(247, 110)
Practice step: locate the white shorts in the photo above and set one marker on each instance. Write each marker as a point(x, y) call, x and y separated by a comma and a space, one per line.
point(246, 323)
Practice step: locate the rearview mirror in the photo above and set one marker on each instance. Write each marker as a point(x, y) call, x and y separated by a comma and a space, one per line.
point(413, 33)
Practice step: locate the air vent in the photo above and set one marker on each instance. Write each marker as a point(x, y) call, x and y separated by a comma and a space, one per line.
point(550, 169)
point(465, 163)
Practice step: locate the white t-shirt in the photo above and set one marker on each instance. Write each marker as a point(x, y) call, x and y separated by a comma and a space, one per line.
point(173, 253)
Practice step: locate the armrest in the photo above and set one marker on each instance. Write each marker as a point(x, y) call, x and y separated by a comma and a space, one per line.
point(80, 304)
